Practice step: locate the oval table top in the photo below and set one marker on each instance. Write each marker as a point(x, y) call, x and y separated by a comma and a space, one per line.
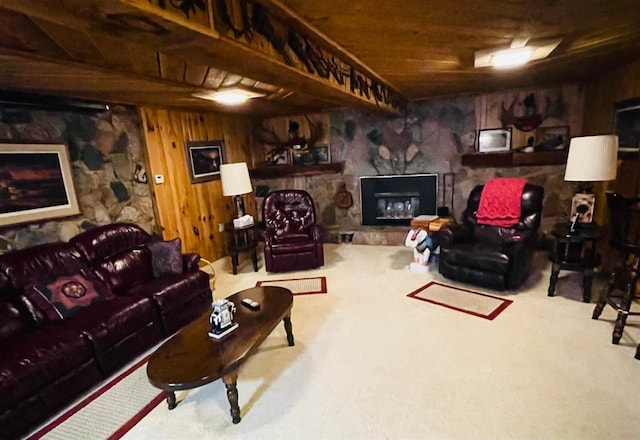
point(191, 358)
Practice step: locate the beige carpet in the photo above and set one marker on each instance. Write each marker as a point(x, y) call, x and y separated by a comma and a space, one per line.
point(371, 363)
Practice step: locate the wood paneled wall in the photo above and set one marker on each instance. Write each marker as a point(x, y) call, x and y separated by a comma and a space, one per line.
point(193, 211)
point(601, 94)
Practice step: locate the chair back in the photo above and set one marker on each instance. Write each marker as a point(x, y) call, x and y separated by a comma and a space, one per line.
point(289, 211)
point(530, 213)
point(625, 223)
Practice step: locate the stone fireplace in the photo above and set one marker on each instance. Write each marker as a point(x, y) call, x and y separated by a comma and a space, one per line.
point(396, 199)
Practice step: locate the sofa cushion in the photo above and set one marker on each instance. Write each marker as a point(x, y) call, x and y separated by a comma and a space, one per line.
point(295, 244)
point(68, 295)
point(493, 258)
point(107, 241)
point(12, 322)
point(172, 291)
point(166, 258)
point(38, 358)
point(41, 264)
point(113, 320)
point(122, 270)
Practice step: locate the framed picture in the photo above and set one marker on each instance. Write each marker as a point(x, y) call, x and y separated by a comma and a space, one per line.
point(321, 154)
point(494, 140)
point(204, 159)
point(626, 124)
point(552, 138)
point(35, 183)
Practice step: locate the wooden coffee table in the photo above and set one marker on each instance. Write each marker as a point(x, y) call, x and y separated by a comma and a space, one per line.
point(191, 358)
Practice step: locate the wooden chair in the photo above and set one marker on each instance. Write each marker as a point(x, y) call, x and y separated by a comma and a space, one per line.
point(621, 290)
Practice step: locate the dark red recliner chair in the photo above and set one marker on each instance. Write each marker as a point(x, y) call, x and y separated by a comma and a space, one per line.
point(292, 239)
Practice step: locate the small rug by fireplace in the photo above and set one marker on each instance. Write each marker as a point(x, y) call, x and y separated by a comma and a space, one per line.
point(299, 286)
point(467, 301)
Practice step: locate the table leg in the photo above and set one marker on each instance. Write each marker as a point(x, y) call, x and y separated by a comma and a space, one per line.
point(230, 381)
point(254, 258)
point(287, 328)
point(234, 262)
point(555, 271)
point(587, 281)
point(171, 399)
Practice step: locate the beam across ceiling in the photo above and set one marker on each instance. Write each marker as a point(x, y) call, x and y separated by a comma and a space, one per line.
point(238, 36)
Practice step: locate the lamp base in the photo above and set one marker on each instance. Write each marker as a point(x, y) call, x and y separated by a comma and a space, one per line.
point(239, 205)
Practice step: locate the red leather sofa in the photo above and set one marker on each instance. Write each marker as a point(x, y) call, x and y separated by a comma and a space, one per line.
point(46, 362)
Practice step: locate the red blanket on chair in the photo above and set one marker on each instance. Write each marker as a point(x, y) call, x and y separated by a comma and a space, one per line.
point(500, 202)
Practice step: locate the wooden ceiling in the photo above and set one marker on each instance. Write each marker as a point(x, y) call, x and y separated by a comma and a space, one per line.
point(159, 52)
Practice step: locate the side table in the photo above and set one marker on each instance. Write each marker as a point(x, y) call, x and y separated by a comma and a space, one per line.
point(242, 240)
point(575, 251)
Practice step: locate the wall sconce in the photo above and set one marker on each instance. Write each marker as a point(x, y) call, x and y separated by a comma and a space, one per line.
point(235, 182)
point(591, 159)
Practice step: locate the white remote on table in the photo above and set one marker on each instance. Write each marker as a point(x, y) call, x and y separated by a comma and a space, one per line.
point(254, 305)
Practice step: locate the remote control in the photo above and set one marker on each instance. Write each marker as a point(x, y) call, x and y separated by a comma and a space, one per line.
point(253, 305)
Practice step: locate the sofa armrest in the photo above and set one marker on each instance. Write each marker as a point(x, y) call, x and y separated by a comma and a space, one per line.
point(454, 233)
point(190, 262)
point(268, 237)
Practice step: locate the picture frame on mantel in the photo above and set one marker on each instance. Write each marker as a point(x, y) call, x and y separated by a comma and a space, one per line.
point(494, 140)
point(204, 159)
point(36, 183)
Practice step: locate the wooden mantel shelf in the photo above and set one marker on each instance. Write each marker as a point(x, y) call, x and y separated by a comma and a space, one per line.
point(511, 159)
point(276, 171)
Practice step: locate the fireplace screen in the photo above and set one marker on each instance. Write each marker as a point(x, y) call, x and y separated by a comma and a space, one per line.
point(395, 200)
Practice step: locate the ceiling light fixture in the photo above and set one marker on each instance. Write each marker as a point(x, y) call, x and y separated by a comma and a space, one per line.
point(229, 95)
point(520, 52)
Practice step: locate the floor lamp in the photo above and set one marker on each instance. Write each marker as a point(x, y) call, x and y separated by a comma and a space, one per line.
point(591, 159)
point(235, 182)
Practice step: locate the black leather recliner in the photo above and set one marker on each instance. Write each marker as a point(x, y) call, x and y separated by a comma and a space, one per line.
point(495, 257)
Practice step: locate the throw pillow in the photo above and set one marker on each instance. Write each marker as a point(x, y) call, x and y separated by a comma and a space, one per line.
point(166, 258)
point(68, 295)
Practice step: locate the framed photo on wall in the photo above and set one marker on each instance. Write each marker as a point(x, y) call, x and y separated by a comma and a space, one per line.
point(321, 154)
point(494, 140)
point(35, 183)
point(626, 124)
point(552, 138)
point(204, 159)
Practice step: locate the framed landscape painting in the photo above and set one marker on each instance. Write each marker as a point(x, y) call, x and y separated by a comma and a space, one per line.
point(35, 183)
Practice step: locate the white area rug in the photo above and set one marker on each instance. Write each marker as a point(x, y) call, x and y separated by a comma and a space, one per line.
point(299, 286)
point(462, 300)
point(109, 412)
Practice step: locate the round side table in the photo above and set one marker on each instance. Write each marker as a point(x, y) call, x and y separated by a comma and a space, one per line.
point(575, 251)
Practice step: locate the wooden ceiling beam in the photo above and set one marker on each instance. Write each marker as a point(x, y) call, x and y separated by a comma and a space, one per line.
point(194, 39)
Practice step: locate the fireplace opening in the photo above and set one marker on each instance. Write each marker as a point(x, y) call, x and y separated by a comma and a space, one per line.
point(395, 200)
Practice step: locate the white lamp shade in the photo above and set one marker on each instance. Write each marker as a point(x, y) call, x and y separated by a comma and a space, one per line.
point(235, 179)
point(592, 159)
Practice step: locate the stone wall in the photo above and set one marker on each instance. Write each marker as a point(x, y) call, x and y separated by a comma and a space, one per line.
point(432, 139)
point(105, 150)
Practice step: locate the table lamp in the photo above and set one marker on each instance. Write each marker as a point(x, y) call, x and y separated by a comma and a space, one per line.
point(591, 159)
point(235, 182)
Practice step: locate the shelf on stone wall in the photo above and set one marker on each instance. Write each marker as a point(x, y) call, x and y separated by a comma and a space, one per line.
point(512, 159)
point(277, 171)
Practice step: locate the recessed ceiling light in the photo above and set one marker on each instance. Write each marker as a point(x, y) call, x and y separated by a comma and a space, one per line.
point(515, 56)
point(511, 57)
point(228, 96)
